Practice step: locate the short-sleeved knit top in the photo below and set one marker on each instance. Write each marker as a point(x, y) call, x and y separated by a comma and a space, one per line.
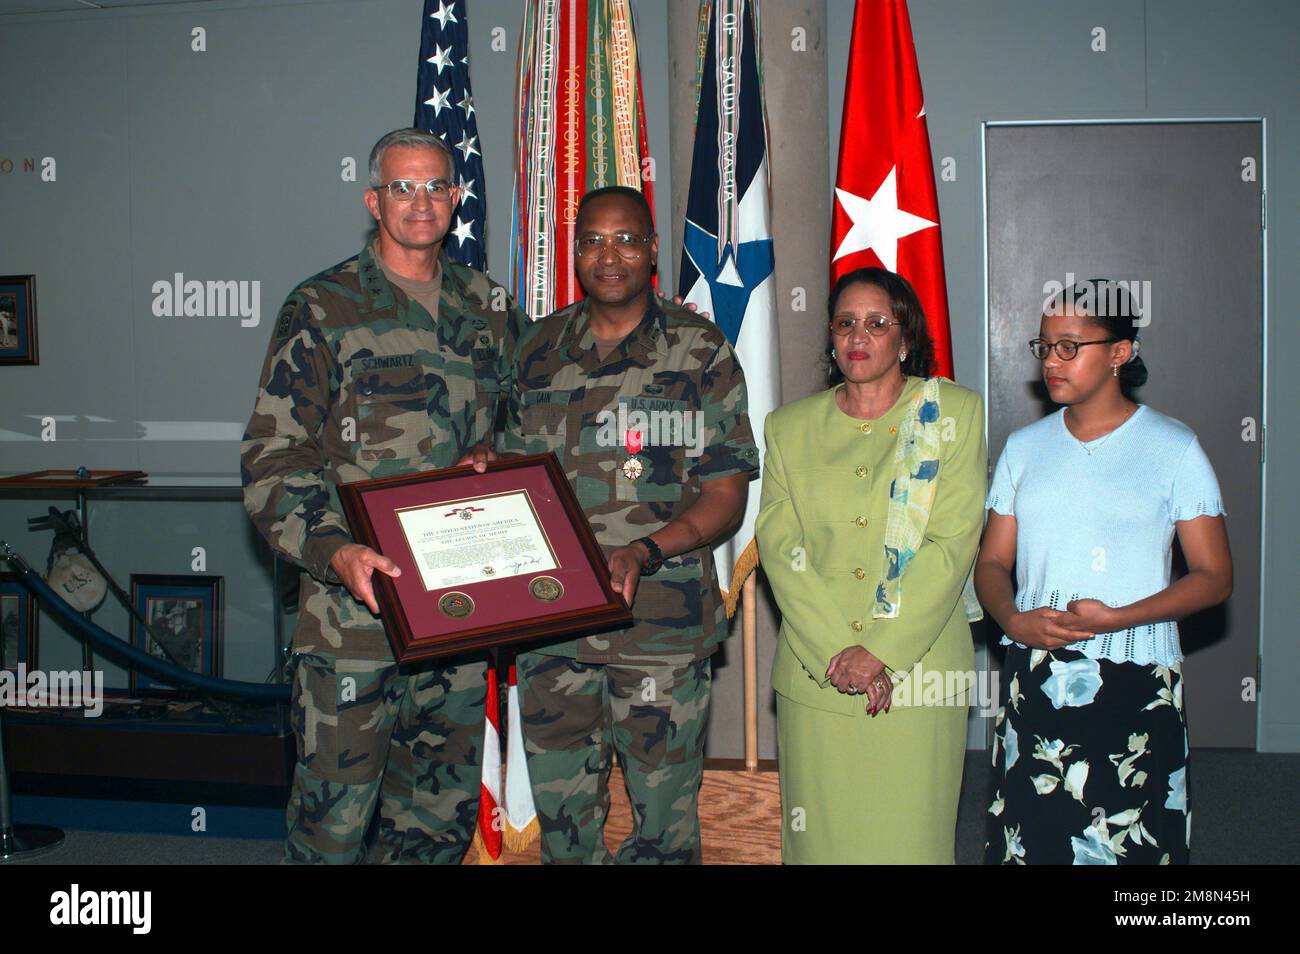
point(1096, 520)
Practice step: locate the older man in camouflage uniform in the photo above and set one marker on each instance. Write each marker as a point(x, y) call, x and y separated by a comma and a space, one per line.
point(388, 363)
point(591, 381)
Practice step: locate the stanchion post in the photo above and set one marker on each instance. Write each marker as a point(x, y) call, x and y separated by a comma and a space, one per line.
point(20, 842)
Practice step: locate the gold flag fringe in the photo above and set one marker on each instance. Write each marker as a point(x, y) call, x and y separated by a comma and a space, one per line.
point(485, 856)
point(515, 839)
point(745, 565)
point(512, 839)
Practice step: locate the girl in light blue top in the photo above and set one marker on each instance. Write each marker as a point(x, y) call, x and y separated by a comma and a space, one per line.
point(1084, 505)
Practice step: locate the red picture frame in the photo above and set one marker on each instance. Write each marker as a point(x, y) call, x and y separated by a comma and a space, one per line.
point(556, 585)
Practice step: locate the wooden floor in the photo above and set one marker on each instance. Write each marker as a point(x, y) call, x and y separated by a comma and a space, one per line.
point(740, 819)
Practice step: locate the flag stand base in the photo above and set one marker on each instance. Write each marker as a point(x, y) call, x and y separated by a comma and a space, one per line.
point(20, 842)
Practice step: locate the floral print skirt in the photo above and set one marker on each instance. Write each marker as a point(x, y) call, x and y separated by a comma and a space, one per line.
point(1089, 763)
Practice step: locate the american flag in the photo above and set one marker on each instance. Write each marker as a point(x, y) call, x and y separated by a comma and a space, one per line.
point(444, 106)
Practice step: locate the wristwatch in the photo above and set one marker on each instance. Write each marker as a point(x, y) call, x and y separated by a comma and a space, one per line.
point(656, 560)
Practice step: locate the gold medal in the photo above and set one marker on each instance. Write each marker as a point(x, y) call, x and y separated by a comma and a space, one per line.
point(632, 468)
point(456, 605)
point(546, 588)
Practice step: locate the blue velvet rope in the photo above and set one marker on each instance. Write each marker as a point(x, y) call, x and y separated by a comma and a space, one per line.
point(125, 653)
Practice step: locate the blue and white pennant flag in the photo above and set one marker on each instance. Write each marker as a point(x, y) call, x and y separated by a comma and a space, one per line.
point(727, 256)
point(444, 106)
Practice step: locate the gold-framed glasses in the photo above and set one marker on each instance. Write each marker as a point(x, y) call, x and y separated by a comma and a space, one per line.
point(876, 325)
point(628, 245)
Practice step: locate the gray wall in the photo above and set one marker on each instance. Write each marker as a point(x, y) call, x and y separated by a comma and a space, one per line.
point(225, 165)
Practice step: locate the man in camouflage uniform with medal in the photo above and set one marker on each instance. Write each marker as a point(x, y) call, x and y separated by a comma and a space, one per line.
point(644, 405)
point(390, 362)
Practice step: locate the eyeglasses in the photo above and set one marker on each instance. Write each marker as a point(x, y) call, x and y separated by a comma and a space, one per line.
point(628, 245)
point(404, 190)
point(1066, 349)
point(877, 325)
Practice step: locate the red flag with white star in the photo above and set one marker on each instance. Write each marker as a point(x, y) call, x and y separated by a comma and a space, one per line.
point(886, 211)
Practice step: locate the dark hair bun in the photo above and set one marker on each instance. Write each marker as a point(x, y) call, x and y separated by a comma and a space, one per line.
point(1133, 374)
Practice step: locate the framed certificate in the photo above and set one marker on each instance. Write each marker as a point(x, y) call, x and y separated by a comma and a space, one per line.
point(489, 559)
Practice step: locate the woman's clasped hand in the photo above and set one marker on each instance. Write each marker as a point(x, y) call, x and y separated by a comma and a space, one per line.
point(854, 670)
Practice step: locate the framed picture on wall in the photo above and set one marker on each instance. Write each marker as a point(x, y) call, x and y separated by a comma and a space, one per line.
point(18, 319)
point(186, 613)
point(17, 624)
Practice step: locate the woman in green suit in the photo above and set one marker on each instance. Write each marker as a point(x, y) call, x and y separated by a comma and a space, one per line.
point(872, 506)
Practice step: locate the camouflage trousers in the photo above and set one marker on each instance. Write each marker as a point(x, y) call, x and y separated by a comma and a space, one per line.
point(576, 716)
point(409, 742)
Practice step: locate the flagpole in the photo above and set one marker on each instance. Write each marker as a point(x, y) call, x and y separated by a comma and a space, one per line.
point(749, 637)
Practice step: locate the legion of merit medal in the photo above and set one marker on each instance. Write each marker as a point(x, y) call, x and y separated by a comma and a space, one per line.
point(632, 467)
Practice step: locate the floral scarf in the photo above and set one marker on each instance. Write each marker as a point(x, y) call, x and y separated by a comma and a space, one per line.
point(911, 495)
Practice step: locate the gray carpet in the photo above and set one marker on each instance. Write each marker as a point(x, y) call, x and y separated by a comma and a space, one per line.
point(1245, 808)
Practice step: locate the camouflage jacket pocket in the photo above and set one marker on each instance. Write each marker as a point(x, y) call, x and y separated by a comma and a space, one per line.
point(543, 413)
point(542, 422)
point(393, 414)
point(660, 481)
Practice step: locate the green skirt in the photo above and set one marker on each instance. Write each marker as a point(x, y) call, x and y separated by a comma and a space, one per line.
point(863, 790)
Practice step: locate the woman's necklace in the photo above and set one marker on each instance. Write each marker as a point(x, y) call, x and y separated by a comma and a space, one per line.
point(1105, 437)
